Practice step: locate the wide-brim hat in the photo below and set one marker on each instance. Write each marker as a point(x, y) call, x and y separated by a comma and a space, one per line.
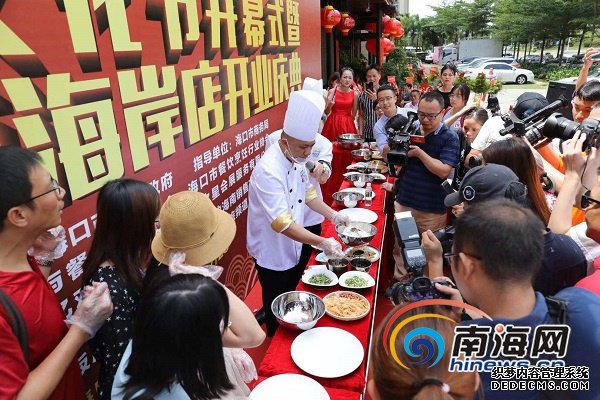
point(190, 223)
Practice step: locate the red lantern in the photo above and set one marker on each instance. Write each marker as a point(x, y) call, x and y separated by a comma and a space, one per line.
point(346, 23)
point(396, 25)
point(388, 26)
point(399, 32)
point(330, 17)
point(387, 46)
point(371, 27)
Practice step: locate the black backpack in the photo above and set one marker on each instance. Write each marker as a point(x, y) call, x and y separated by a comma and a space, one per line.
point(16, 322)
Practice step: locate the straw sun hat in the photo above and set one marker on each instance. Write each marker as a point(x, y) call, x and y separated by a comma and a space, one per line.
point(190, 223)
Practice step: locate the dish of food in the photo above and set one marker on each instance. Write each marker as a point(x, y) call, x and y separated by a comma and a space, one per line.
point(346, 306)
point(366, 251)
point(356, 280)
point(319, 276)
point(376, 155)
point(327, 352)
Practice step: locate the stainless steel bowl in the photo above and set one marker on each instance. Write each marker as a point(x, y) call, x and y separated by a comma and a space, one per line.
point(356, 233)
point(347, 199)
point(350, 140)
point(338, 265)
point(361, 264)
point(362, 178)
point(298, 310)
point(362, 154)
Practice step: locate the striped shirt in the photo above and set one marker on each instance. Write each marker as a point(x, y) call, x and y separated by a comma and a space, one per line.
point(367, 107)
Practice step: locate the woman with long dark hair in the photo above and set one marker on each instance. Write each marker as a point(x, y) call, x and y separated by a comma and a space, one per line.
point(516, 155)
point(119, 255)
point(341, 107)
point(447, 75)
point(177, 346)
point(459, 96)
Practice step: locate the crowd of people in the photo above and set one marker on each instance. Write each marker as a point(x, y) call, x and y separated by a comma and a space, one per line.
point(526, 243)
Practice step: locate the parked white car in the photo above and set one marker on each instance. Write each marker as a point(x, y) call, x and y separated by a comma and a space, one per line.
point(503, 72)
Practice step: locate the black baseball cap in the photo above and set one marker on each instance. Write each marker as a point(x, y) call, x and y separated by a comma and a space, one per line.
point(528, 103)
point(484, 182)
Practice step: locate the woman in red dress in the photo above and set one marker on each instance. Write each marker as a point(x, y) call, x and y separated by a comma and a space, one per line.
point(342, 102)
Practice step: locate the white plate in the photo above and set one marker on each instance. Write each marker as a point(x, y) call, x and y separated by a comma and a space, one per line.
point(327, 352)
point(349, 295)
point(321, 257)
point(358, 190)
point(360, 215)
point(378, 177)
point(295, 387)
point(316, 270)
point(350, 274)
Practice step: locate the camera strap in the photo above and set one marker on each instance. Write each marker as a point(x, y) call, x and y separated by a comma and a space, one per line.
point(15, 319)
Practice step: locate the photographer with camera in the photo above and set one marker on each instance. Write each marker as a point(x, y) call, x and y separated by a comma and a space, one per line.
point(497, 250)
point(427, 166)
point(386, 99)
point(563, 262)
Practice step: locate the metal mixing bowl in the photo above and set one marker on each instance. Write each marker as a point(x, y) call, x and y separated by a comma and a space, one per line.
point(364, 178)
point(350, 140)
point(345, 199)
point(361, 234)
point(362, 154)
point(298, 310)
point(361, 264)
point(338, 265)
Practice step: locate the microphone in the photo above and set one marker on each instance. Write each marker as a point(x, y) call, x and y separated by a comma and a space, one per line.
point(310, 165)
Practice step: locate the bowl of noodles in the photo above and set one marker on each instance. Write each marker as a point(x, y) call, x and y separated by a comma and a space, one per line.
point(346, 305)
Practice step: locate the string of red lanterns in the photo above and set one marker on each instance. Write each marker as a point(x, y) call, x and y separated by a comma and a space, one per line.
point(392, 27)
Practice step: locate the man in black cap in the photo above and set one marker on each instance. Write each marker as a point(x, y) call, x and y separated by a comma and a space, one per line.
point(563, 263)
point(525, 105)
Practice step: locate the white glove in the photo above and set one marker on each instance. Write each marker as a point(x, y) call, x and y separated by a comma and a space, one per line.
point(244, 364)
point(339, 218)
point(177, 266)
point(49, 246)
point(331, 247)
point(95, 308)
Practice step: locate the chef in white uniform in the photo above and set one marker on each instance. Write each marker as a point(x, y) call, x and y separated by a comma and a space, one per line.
point(280, 191)
point(319, 168)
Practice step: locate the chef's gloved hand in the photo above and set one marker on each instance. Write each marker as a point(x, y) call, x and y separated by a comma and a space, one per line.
point(331, 247)
point(339, 218)
point(95, 308)
point(244, 364)
point(49, 246)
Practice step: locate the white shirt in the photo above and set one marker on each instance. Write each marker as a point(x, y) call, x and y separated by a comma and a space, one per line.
point(489, 133)
point(276, 198)
point(322, 150)
point(411, 106)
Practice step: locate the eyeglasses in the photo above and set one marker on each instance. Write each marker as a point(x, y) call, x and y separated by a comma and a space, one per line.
point(580, 108)
point(448, 257)
point(423, 115)
point(385, 99)
point(587, 200)
point(55, 188)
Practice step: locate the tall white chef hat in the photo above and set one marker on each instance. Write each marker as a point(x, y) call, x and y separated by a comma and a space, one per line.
point(303, 115)
point(313, 84)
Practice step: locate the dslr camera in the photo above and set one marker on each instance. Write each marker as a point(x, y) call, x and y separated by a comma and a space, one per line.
point(401, 134)
point(417, 287)
point(557, 126)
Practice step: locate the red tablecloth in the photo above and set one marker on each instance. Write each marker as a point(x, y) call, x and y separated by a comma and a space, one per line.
point(341, 159)
point(334, 394)
point(278, 359)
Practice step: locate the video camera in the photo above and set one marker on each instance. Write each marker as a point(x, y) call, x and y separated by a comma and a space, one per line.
point(546, 124)
point(401, 134)
point(417, 287)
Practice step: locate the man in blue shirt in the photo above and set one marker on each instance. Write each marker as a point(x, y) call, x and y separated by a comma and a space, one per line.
point(386, 97)
point(429, 164)
point(497, 250)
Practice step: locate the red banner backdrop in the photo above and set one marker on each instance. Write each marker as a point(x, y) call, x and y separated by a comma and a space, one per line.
point(177, 93)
